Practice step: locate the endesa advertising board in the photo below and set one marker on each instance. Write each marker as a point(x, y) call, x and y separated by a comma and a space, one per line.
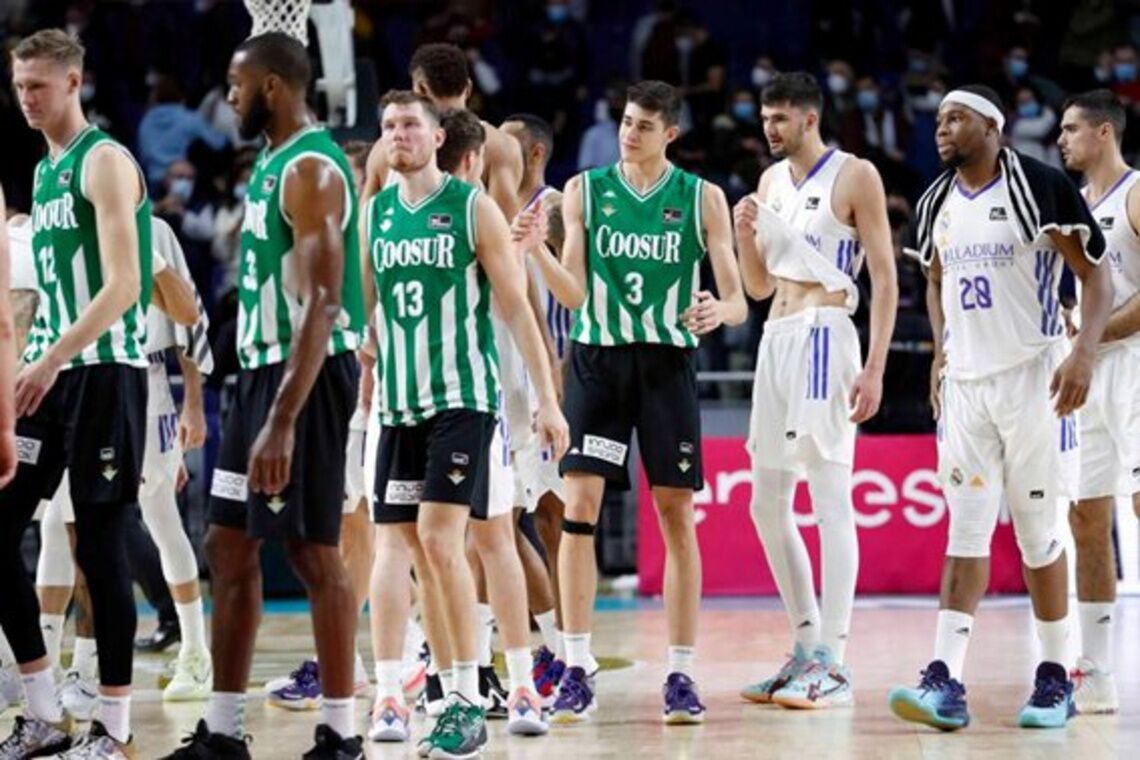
point(901, 516)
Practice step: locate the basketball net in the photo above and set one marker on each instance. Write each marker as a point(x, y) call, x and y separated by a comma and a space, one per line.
point(288, 16)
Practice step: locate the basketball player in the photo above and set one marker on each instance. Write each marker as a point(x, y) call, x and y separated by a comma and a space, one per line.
point(1092, 127)
point(990, 229)
point(810, 391)
point(280, 471)
point(439, 249)
point(82, 394)
point(635, 236)
point(7, 362)
point(536, 470)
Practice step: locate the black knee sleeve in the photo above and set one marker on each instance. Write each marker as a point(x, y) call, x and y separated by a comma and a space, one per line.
point(100, 551)
point(19, 607)
point(577, 528)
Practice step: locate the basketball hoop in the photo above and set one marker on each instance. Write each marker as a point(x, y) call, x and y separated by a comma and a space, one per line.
point(288, 16)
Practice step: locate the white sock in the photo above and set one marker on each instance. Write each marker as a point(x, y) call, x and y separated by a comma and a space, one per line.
point(518, 668)
point(1098, 619)
point(388, 683)
point(337, 714)
point(360, 673)
point(41, 696)
point(447, 680)
point(225, 714)
point(115, 715)
point(952, 639)
point(578, 650)
point(1054, 638)
point(681, 660)
point(85, 658)
point(771, 508)
point(830, 487)
point(560, 645)
point(548, 630)
point(52, 628)
point(486, 626)
point(467, 681)
point(193, 625)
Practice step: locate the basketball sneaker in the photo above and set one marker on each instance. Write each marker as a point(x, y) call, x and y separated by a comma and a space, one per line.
point(79, 695)
point(193, 678)
point(329, 745)
point(302, 691)
point(431, 701)
point(938, 700)
point(761, 693)
point(543, 660)
point(1094, 690)
point(32, 737)
point(97, 744)
point(575, 701)
point(203, 745)
point(682, 703)
point(524, 714)
point(460, 733)
point(823, 683)
point(11, 687)
point(547, 682)
point(391, 721)
point(1051, 704)
point(494, 696)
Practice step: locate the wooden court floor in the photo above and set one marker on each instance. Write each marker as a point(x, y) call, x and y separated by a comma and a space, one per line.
point(741, 640)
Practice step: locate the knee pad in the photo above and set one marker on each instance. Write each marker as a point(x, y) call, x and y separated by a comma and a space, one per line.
point(972, 523)
point(577, 528)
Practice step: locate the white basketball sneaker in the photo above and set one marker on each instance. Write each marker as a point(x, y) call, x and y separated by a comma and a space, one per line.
point(193, 678)
point(1093, 690)
point(79, 695)
point(11, 687)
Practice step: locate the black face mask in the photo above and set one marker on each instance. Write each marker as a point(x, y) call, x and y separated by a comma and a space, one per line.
point(256, 120)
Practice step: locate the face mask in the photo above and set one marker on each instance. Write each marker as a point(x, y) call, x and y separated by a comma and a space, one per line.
point(240, 190)
point(1017, 67)
point(867, 100)
point(86, 92)
point(1124, 72)
point(557, 13)
point(837, 83)
point(1102, 74)
point(918, 65)
point(1029, 109)
point(761, 77)
point(744, 110)
point(182, 188)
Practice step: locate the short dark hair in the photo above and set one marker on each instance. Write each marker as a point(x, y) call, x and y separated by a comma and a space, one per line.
point(407, 98)
point(796, 88)
point(658, 97)
point(1098, 107)
point(537, 129)
point(280, 54)
point(465, 133)
point(444, 66)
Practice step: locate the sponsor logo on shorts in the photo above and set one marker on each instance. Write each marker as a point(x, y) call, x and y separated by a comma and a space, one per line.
point(812, 203)
point(790, 435)
point(107, 455)
point(109, 473)
point(404, 492)
point(605, 449)
point(956, 477)
point(230, 485)
point(456, 476)
point(684, 465)
point(459, 458)
point(686, 448)
point(1037, 494)
point(1136, 472)
point(275, 504)
point(28, 450)
point(977, 482)
point(998, 214)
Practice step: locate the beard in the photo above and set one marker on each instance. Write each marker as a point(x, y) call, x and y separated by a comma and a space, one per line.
point(256, 120)
point(955, 160)
point(407, 162)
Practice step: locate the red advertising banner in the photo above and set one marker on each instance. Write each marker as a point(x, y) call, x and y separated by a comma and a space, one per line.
point(899, 509)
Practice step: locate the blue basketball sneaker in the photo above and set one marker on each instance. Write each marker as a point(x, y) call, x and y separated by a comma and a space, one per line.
point(682, 703)
point(821, 684)
point(1051, 704)
point(939, 701)
point(575, 699)
point(762, 692)
point(302, 690)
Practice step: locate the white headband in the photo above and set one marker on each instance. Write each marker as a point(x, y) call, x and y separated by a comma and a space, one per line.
point(976, 103)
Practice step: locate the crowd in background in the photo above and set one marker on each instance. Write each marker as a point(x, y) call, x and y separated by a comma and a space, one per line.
point(156, 72)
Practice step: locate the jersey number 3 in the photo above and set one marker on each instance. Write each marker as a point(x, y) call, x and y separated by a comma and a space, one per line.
point(635, 282)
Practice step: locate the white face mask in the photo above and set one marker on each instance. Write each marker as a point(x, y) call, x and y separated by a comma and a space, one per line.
point(761, 77)
point(837, 83)
point(86, 92)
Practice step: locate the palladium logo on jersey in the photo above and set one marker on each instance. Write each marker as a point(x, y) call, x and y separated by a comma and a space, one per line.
point(437, 251)
point(664, 247)
point(58, 214)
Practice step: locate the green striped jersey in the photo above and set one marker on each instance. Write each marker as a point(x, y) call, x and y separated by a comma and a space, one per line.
point(643, 256)
point(69, 271)
point(269, 305)
point(436, 345)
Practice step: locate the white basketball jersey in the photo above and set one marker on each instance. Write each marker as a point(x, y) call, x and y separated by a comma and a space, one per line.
point(1122, 244)
point(806, 206)
point(22, 261)
point(999, 297)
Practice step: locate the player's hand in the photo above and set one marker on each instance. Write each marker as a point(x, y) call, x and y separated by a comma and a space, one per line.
point(271, 458)
point(8, 460)
point(705, 315)
point(936, 367)
point(182, 479)
point(866, 395)
point(744, 216)
point(552, 428)
point(529, 228)
point(34, 382)
point(191, 427)
point(1070, 326)
point(1070, 386)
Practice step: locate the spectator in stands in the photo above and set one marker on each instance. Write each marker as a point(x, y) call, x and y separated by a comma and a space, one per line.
point(703, 63)
point(1019, 73)
point(662, 10)
point(187, 205)
point(556, 68)
point(842, 121)
point(1033, 127)
point(762, 72)
point(736, 145)
point(225, 243)
point(1125, 75)
point(168, 129)
point(599, 146)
